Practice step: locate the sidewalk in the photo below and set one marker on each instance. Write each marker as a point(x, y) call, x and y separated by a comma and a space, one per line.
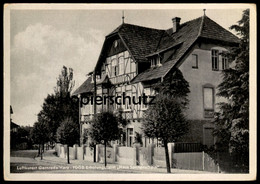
point(83, 166)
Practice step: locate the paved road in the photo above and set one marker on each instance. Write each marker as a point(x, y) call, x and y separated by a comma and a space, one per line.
point(26, 162)
point(24, 153)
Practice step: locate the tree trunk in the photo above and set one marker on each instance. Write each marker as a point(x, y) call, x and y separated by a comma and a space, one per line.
point(94, 153)
point(39, 149)
point(105, 154)
point(68, 153)
point(42, 150)
point(167, 157)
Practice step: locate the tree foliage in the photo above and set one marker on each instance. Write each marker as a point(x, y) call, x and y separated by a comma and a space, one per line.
point(58, 106)
point(65, 82)
point(105, 127)
point(176, 86)
point(40, 135)
point(22, 135)
point(165, 119)
point(232, 121)
point(68, 133)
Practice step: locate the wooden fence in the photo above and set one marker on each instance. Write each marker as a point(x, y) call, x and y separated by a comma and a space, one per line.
point(182, 147)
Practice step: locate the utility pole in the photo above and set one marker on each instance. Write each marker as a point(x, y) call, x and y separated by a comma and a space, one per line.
point(80, 124)
point(95, 108)
point(123, 17)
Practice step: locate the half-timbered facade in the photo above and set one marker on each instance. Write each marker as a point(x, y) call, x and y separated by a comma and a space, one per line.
point(134, 58)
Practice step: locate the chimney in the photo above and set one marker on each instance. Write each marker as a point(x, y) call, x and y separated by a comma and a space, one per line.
point(176, 24)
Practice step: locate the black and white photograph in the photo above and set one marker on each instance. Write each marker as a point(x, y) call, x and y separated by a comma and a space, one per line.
point(130, 92)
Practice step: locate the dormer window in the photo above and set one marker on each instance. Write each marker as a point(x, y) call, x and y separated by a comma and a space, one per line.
point(155, 61)
point(158, 61)
point(152, 62)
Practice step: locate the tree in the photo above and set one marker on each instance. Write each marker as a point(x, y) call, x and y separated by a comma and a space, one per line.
point(40, 135)
point(67, 132)
point(165, 119)
point(60, 105)
point(232, 121)
point(65, 82)
point(20, 136)
point(104, 128)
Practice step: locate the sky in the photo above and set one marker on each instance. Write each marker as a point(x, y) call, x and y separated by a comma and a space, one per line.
point(42, 41)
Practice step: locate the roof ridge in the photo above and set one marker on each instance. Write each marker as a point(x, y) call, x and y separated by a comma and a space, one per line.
point(221, 27)
point(144, 27)
point(159, 41)
point(127, 24)
point(186, 22)
point(115, 30)
point(201, 25)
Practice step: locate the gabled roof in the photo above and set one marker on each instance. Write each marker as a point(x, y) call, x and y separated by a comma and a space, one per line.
point(212, 30)
point(14, 125)
point(187, 34)
point(86, 87)
point(139, 40)
point(142, 42)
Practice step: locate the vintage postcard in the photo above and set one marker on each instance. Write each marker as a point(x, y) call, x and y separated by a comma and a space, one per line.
point(130, 92)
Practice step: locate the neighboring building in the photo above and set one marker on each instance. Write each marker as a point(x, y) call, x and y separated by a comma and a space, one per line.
point(14, 127)
point(133, 58)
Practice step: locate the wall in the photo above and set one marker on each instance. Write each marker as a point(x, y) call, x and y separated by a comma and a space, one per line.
point(199, 77)
point(195, 132)
point(88, 154)
point(126, 156)
point(190, 161)
point(110, 154)
point(147, 156)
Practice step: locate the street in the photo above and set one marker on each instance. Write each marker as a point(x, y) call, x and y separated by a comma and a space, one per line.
point(25, 161)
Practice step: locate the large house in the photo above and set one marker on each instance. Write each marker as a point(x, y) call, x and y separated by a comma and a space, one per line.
point(133, 58)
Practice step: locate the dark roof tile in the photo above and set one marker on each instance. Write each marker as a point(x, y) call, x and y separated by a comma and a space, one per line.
point(187, 34)
point(213, 30)
point(142, 42)
point(86, 87)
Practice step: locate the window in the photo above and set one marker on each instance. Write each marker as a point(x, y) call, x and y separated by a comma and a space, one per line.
point(128, 68)
point(115, 44)
point(118, 102)
point(208, 101)
point(116, 70)
point(195, 61)
point(225, 63)
point(128, 100)
point(147, 93)
point(121, 66)
point(152, 62)
point(130, 136)
point(214, 56)
point(155, 61)
point(158, 60)
point(114, 67)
